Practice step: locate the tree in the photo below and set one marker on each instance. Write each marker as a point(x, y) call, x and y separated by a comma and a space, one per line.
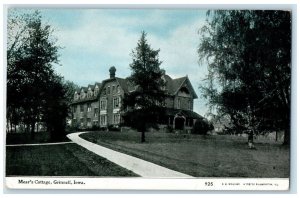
point(146, 102)
point(56, 108)
point(248, 54)
point(70, 87)
point(31, 52)
point(202, 126)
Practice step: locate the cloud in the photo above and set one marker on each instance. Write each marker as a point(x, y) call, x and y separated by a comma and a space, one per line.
point(102, 39)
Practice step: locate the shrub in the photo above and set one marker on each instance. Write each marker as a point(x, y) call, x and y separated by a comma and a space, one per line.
point(113, 128)
point(201, 127)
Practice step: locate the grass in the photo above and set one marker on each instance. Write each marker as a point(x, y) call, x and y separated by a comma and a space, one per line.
point(59, 160)
point(201, 156)
point(25, 138)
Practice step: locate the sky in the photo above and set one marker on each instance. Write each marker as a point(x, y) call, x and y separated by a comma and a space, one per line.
point(93, 40)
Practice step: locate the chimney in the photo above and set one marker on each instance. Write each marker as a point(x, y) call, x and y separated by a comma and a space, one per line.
point(112, 72)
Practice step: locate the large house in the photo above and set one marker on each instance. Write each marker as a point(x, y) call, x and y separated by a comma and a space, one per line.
point(99, 105)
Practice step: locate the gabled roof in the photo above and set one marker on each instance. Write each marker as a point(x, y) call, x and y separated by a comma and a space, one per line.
point(78, 90)
point(186, 113)
point(179, 82)
point(92, 87)
point(99, 84)
point(123, 84)
point(83, 88)
point(172, 85)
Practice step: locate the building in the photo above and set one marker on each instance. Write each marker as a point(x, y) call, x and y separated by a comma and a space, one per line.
point(99, 105)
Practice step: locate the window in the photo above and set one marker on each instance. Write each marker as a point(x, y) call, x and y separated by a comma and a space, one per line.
point(178, 103)
point(96, 91)
point(89, 123)
point(116, 103)
point(89, 93)
point(89, 108)
point(81, 108)
point(75, 96)
point(104, 91)
point(81, 122)
point(103, 119)
point(118, 89)
point(95, 123)
point(113, 89)
point(82, 95)
point(116, 118)
point(103, 104)
point(189, 105)
point(96, 112)
point(108, 90)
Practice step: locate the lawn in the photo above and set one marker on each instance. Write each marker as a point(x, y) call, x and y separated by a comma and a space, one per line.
point(59, 160)
point(201, 156)
point(25, 138)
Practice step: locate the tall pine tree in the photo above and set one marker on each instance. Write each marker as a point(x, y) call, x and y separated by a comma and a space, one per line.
point(146, 103)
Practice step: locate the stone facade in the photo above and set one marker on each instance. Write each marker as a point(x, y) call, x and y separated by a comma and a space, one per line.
point(99, 105)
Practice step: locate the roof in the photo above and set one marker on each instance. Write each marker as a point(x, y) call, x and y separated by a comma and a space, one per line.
point(123, 84)
point(92, 87)
point(186, 113)
point(83, 88)
point(99, 84)
point(172, 85)
point(90, 99)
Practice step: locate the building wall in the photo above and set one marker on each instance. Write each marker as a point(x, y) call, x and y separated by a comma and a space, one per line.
point(105, 110)
point(169, 102)
point(112, 94)
point(86, 114)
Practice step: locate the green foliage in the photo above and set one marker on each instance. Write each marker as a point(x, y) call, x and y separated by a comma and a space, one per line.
point(201, 127)
point(148, 98)
point(248, 54)
point(34, 92)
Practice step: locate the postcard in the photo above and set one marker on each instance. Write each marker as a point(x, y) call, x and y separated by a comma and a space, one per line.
point(148, 98)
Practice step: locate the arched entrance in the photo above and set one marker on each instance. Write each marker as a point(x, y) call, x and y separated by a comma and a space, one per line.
point(179, 121)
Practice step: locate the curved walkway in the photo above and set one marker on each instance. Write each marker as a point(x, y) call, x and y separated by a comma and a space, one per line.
point(136, 165)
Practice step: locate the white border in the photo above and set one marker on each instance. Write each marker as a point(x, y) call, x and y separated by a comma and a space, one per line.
point(158, 3)
point(147, 184)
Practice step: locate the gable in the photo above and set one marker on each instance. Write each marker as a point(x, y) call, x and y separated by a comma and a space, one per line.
point(185, 88)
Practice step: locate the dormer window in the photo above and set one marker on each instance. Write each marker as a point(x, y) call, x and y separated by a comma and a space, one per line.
point(82, 94)
point(118, 89)
point(76, 96)
point(96, 91)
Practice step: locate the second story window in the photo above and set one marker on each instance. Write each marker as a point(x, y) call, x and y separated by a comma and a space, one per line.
point(103, 104)
point(116, 102)
point(81, 108)
point(178, 103)
point(108, 90)
point(189, 105)
point(89, 107)
point(96, 112)
point(113, 89)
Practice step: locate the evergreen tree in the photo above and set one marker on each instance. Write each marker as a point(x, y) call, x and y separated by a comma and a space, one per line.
point(146, 102)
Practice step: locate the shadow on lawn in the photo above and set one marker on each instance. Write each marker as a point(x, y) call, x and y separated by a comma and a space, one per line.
point(25, 138)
